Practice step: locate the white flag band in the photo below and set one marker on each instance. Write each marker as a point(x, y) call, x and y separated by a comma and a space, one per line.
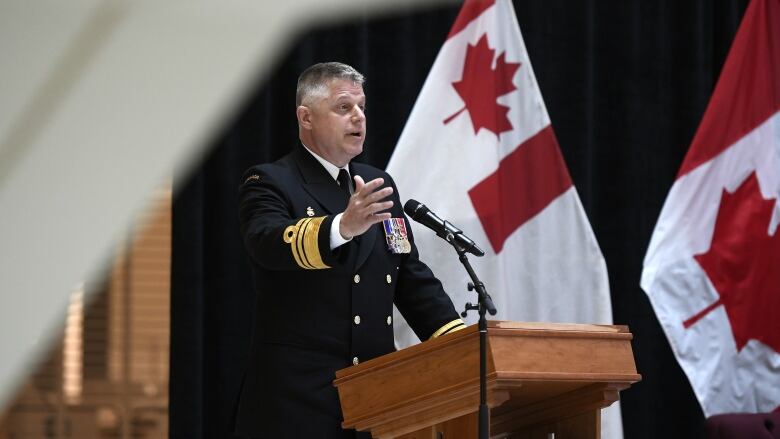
point(479, 149)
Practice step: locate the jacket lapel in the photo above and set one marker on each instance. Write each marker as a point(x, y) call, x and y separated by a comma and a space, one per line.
point(323, 188)
point(318, 183)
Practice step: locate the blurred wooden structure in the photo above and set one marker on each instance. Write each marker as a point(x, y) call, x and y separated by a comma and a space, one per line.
point(106, 377)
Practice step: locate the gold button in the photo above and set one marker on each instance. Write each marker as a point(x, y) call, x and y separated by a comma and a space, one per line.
point(355, 361)
point(357, 320)
point(357, 278)
point(389, 320)
point(389, 278)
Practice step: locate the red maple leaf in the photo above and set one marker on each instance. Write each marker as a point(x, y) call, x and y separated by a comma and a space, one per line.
point(481, 85)
point(742, 264)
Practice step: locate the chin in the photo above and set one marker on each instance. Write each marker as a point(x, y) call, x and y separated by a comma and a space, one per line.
point(354, 150)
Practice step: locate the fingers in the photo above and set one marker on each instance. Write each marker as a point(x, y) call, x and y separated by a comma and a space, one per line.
point(359, 183)
point(367, 188)
point(368, 197)
point(367, 191)
point(378, 195)
point(364, 209)
point(378, 207)
point(372, 215)
point(365, 206)
point(379, 217)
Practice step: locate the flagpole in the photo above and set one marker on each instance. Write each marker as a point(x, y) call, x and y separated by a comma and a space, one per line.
point(485, 303)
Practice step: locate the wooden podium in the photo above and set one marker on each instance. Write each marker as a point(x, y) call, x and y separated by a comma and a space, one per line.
point(542, 378)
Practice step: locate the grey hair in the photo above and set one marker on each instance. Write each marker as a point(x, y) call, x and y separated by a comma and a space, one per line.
point(314, 80)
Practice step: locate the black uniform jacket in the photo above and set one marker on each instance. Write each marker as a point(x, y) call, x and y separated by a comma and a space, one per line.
point(320, 310)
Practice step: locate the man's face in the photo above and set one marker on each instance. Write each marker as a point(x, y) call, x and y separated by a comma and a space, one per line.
point(336, 125)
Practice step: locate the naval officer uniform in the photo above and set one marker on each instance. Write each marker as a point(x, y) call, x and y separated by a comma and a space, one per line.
point(320, 309)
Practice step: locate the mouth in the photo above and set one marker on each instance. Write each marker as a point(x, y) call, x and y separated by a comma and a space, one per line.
point(356, 134)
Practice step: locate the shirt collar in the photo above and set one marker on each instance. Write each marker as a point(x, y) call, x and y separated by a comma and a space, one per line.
point(332, 169)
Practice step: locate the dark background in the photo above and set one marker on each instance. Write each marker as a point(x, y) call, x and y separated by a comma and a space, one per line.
point(625, 83)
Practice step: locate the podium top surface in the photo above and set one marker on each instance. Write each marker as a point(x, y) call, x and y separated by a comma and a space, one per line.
point(496, 328)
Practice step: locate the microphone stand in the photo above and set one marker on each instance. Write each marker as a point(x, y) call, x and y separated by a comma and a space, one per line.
point(485, 303)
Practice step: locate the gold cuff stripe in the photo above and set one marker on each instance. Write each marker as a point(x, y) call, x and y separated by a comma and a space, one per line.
point(444, 329)
point(311, 243)
point(303, 239)
point(454, 329)
point(299, 243)
point(290, 236)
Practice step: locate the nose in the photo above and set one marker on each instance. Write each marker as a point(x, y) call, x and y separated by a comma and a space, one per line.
point(358, 114)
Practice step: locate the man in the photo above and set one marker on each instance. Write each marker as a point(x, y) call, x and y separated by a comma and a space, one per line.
point(329, 260)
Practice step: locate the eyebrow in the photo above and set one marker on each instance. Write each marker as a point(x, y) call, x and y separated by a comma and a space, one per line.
point(343, 99)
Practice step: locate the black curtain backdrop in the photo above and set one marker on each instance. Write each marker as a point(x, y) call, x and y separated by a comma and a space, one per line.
point(626, 84)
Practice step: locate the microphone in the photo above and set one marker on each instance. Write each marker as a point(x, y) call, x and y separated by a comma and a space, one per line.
point(444, 229)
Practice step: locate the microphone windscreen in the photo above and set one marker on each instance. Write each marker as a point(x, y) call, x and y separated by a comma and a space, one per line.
point(411, 207)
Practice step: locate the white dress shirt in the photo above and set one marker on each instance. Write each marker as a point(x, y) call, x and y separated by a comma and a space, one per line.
point(336, 240)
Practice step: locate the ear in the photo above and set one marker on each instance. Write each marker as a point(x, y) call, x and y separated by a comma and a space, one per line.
point(303, 113)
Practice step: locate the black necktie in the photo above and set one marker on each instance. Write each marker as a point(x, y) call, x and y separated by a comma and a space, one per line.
point(343, 180)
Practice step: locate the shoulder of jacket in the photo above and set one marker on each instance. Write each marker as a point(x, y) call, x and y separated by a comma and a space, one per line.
point(265, 172)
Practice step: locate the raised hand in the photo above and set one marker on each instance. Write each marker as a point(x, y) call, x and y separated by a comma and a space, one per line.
point(364, 207)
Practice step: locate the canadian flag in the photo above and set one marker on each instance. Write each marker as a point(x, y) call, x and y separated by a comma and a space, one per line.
point(479, 150)
point(712, 270)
